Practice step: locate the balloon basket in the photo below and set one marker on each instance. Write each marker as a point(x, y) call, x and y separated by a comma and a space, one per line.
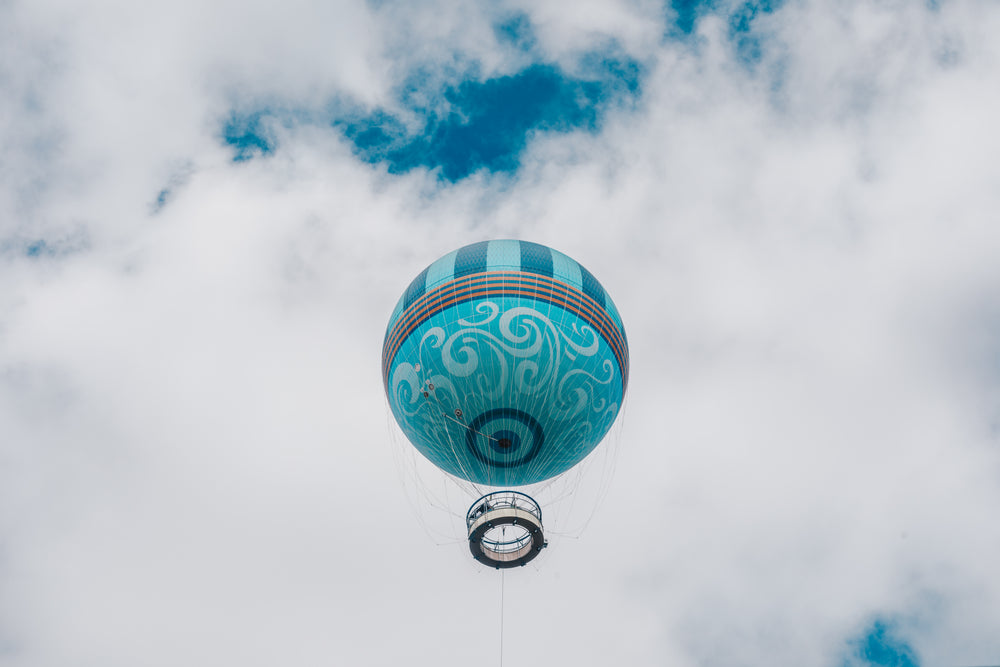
point(505, 529)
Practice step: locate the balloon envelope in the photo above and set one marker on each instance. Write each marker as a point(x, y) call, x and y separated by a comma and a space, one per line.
point(505, 363)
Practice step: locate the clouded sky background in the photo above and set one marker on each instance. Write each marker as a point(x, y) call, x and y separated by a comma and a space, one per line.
point(209, 209)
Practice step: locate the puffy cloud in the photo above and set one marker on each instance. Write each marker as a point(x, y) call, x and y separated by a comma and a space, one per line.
point(792, 207)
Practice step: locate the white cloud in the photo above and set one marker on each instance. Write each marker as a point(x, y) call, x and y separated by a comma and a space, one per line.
point(194, 463)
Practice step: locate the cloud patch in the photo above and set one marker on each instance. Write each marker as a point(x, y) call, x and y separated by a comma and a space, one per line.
point(742, 19)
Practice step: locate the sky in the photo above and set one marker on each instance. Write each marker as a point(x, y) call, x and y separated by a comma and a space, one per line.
point(209, 209)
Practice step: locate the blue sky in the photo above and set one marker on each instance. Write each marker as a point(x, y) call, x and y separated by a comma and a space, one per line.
point(204, 226)
point(467, 125)
point(881, 646)
point(485, 125)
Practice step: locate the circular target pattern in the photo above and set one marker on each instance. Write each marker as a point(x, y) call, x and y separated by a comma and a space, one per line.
point(504, 437)
point(505, 441)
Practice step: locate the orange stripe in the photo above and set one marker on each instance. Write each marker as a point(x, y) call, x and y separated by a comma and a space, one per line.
point(454, 292)
point(419, 309)
point(459, 293)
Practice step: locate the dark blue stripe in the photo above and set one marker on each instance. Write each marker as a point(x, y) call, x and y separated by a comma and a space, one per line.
point(416, 289)
point(471, 259)
point(591, 287)
point(536, 258)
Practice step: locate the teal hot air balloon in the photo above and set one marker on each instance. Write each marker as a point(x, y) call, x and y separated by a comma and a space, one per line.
point(505, 363)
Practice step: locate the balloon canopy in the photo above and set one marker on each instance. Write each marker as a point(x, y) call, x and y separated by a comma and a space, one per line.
point(505, 363)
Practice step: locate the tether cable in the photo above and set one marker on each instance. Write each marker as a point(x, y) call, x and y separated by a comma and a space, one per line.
point(501, 618)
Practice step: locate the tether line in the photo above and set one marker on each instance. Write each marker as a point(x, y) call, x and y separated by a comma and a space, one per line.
point(501, 618)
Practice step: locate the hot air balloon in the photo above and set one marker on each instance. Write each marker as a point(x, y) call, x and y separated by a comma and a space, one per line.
point(505, 364)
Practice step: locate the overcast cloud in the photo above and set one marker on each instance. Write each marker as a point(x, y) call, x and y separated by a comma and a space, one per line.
point(209, 209)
